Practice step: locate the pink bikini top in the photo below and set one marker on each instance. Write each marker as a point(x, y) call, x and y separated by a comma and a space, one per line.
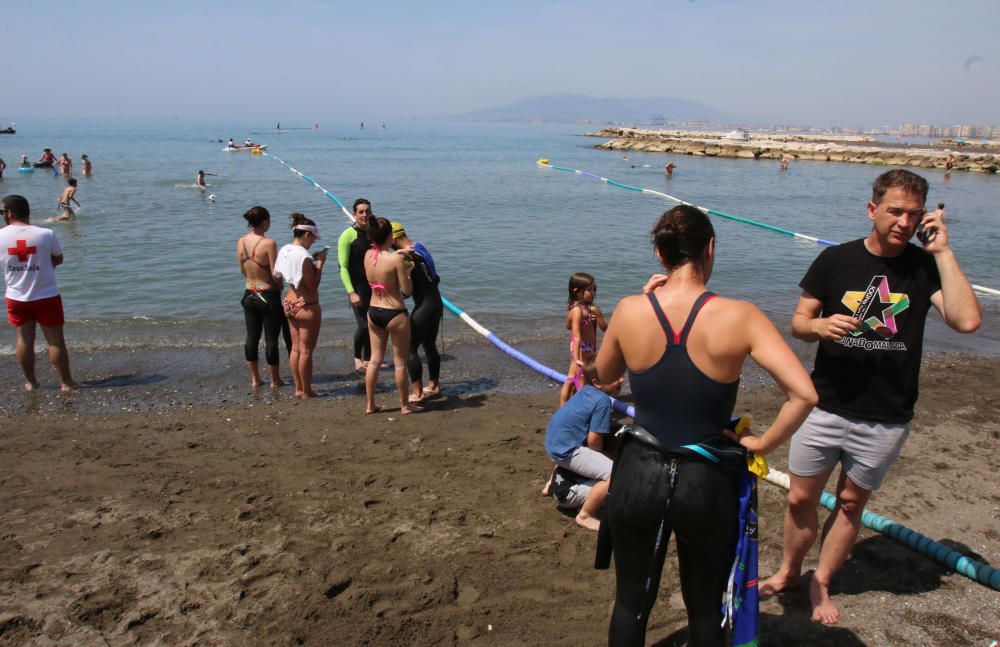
point(377, 288)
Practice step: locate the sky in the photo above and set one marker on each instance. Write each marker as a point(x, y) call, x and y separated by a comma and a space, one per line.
point(816, 62)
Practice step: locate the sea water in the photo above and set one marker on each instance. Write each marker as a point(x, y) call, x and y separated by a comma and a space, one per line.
point(151, 260)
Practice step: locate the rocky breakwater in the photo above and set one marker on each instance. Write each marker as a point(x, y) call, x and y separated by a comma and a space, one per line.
point(709, 144)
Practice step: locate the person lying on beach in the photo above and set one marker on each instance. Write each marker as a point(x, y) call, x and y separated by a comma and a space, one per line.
point(66, 200)
point(574, 440)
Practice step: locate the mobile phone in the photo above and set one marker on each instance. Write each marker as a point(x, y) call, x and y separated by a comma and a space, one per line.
point(922, 235)
point(322, 252)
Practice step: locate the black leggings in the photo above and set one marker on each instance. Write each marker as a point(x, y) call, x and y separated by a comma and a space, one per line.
point(362, 341)
point(424, 324)
point(652, 495)
point(263, 313)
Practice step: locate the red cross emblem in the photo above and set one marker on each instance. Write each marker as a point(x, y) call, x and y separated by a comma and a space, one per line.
point(22, 251)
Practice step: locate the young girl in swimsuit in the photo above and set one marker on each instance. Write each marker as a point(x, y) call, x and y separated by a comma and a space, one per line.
point(256, 255)
point(302, 273)
point(388, 275)
point(582, 320)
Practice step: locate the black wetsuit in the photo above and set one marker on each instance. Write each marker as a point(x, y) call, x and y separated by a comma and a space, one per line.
point(425, 320)
point(356, 269)
point(656, 492)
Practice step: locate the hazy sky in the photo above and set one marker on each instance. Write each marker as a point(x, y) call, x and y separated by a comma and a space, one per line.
point(850, 62)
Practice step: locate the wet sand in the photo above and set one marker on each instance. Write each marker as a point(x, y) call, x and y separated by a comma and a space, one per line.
point(267, 521)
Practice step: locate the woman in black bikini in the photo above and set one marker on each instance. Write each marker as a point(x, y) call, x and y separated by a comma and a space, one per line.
point(388, 275)
point(302, 273)
point(256, 254)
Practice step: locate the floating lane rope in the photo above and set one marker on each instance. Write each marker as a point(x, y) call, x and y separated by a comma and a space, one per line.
point(978, 571)
point(714, 212)
point(982, 573)
point(493, 339)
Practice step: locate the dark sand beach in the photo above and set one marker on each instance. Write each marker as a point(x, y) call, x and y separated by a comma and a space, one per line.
point(276, 522)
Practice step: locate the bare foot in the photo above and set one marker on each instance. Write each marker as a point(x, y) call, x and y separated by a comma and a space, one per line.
point(255, 385)
point(305, 395)
point(69, 387)
point(276, 383)
point(411, 408)
point(417, 397)
point(585, 520)
point(778, 583)
point(548, 484)
point(431, 390)
point(30, 386)
point(824, 610)
point(374, 409)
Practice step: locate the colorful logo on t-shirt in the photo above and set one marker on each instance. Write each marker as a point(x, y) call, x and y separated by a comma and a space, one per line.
point(877, 295)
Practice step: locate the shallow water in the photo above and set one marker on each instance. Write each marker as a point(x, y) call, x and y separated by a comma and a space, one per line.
point(150, 262)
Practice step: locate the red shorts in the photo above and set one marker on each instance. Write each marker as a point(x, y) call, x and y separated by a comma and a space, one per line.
point(47, 312)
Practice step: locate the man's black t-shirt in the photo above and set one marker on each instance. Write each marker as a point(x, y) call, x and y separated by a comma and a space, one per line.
point(873, 373)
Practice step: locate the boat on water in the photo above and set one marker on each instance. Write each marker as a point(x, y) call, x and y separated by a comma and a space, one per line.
point(739, 135)
point(9, 130)
point(237, 149)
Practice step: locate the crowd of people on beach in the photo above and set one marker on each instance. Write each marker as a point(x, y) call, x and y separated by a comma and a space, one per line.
point(380, 267)
point(677, 469)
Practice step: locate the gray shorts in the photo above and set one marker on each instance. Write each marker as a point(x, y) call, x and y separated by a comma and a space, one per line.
point(586, 462)
point(867, 449)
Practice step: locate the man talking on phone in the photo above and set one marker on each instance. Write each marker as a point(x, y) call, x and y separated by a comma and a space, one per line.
point(865, 302)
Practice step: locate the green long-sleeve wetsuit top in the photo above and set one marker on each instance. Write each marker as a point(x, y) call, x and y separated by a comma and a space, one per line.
point(351, 248)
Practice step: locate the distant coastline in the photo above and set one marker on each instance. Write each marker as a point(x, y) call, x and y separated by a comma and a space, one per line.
point(822, 148)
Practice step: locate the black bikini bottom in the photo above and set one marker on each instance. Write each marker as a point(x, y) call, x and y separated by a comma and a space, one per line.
point(380, 317)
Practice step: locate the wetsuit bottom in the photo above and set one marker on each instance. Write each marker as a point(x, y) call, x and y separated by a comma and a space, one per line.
point(425, 320)
point(380, 317)
point(263, 313)
point(653, 495)
point(362, 341)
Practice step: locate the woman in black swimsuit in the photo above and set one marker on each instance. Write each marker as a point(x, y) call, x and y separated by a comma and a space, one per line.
point(261, 302)
point(684, 380)
point(388, 275)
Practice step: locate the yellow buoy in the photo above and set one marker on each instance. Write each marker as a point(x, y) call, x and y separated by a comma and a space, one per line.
point(543, 161)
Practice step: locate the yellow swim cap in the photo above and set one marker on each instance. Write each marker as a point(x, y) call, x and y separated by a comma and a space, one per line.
point(397, 230)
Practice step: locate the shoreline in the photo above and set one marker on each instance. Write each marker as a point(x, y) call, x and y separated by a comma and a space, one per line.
point(275, 522)
point(849, 150)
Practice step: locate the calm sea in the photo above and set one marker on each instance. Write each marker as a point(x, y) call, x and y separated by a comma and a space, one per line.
point(151, 264)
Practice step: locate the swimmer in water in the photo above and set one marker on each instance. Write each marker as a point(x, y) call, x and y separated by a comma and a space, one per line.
point(66, 198)
point(669, 169)
point(200, 180)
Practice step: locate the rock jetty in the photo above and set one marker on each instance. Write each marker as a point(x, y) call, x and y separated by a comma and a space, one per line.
point(858, 150)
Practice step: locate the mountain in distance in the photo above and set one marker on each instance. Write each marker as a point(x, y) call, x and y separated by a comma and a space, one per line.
point(575, 108)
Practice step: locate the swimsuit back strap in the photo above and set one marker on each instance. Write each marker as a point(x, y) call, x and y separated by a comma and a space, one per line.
point(702, 299)
point(664, 322)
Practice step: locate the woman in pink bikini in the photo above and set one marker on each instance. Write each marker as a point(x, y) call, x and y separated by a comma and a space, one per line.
point(582, 320)
point(302, 273)
point(388, 275)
